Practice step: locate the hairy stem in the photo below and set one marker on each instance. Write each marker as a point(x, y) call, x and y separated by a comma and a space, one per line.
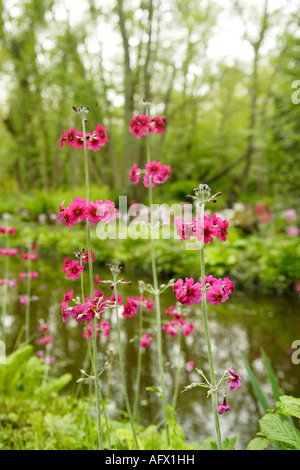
point(208, 341)
point(121, 358)
point(157, 302)
point(94, 342)
point(28, 301)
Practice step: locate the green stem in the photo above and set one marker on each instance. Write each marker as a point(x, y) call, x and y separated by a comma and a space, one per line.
point(4, 302)
point(95, 352)
point(157, 303)
point(122, 367)
point(28, 303)
point(139, 364)
point(176, 388)
point(208, 342)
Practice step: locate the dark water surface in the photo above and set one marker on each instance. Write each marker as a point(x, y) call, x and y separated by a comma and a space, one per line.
point(242, 325)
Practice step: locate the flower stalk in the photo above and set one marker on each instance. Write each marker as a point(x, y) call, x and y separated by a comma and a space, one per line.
point(121, 358)
point(94, 341)
point(4, 302)
point(207, 334)
point(28, 303)
point(157, 298)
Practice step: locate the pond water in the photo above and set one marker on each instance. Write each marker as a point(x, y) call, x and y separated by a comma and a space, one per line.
point(241, 326)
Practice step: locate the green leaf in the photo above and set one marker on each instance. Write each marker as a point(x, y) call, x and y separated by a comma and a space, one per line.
point(289, 405)
point(229, 443)
point(271, 376)
point(258, 443)
point(54, 385)
point(277, 429)
point(260, 395)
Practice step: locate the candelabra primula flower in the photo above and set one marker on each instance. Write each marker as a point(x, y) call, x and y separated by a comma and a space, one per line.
point(47, 339)
point(73, 269)
point(130, 308)
point(223, 407)
point(135, 174)
point(94, 140)
point(80, 210)
point(9, 251)
point(145, 340)
point(234, 380)
point(8, 230)
point(187, 292)
point(190, 366)
point(142, 124)
point(103, 327)
point(212, 227)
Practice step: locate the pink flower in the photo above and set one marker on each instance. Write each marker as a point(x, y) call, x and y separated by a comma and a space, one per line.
point(34, 274)
point(43, 328)
point(222, 226)
point(85, 257)
point(135, 174)
point(190, 366)
point(159, 123)
point(69, 295)
point(79, 140)
point(77, 210)
point(74, 269)
point(65, 312)
point(216, 294)
point(297, 286)
point(234, 380)
point(24, 299)
point(290, 215)
point(101, 134)
point(293, 231)
point(209, 230)
point(130, 308)
point(102, 326)
point(67, 261)
point(111, 212)
point(146, 340)
point(153, 168)
point(92, 141)
point(223, 407)
point(139, 125)
point(46, 339)
point(63, 138)
point(70, 137)
point(187, 293)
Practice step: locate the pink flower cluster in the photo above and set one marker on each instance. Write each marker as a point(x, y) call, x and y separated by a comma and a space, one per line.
point(263, 213)
point(140, 125)
point(44, 340)
point(172, 328)
point(73, 269)
point(11, 283)
point(9, 251)
point(142, 301)
point(103, 327)
point(80, 209)
point(235, 383)
point(146, 340)
point(94, 141)
point(8, 230)
point(130, 308)
point(85, 311)
point(159, 173)
point(24, 299)
point(212, 227)
point(32, 275)
point(190, 292)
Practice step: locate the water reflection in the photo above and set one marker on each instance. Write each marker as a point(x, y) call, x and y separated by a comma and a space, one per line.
point(244, 324)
